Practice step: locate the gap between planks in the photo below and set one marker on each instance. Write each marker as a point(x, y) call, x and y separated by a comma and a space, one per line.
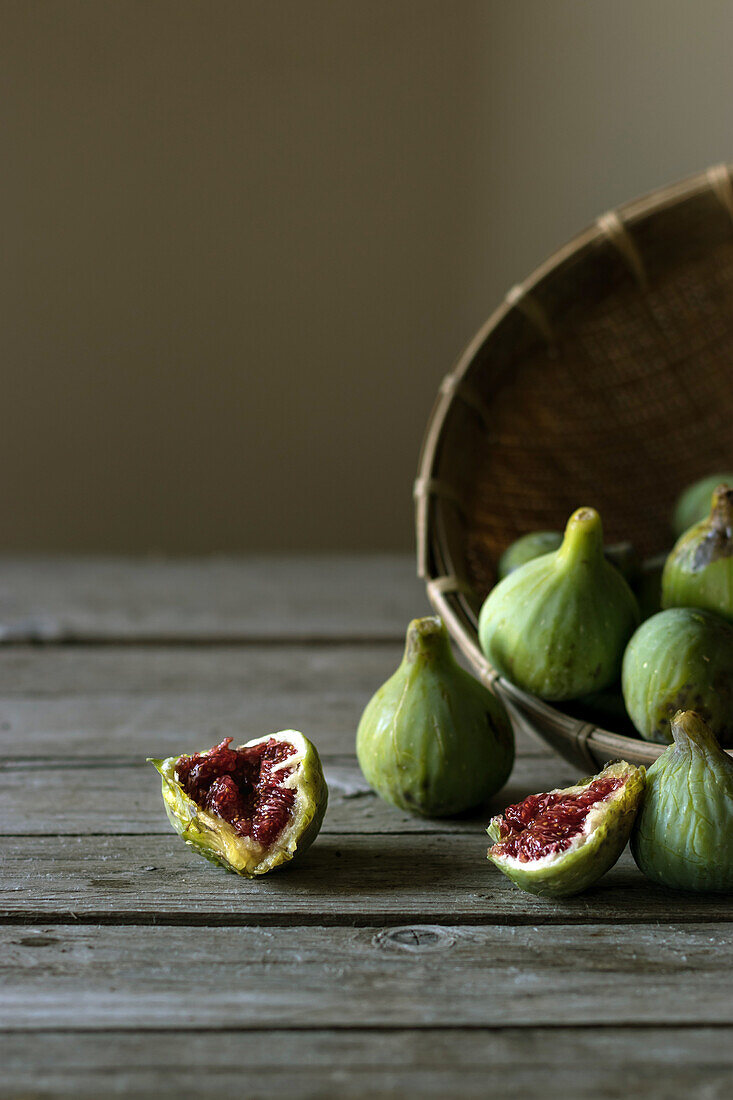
point(376, 1029)
point(198, 641)
point(376, 918)
point(63, 600)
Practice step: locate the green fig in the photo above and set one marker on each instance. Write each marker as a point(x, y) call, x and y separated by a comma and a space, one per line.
point(683, 837)
point(648, 586)
point(557, 626)
point(680, 659)
point(560, 843)
point(433, 740)
point(699, 571)
point(693, 504)
point(248, 809)
point(528, 547)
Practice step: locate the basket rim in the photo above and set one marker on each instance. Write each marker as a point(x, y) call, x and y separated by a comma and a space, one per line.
point(628, 213)
point(445, 589)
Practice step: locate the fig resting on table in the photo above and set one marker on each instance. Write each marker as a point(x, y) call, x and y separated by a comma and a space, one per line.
point(249, 809)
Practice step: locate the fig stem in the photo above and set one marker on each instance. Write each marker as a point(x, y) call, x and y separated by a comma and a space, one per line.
point(426, 637)
point(721, 515)
point(583, 537)
point(688, 729)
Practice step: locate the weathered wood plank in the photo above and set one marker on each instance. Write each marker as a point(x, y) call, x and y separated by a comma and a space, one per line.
point(88, 670)
point(348, 878)
point(131, 703)
point(72, 798)
point(364, 977)
point(514, 1064)
point(72, 599)
point(155, 702)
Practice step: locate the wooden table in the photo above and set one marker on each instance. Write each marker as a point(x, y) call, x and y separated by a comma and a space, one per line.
point(394, 961)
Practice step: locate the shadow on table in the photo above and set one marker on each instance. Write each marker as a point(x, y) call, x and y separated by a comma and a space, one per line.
point(377, 862)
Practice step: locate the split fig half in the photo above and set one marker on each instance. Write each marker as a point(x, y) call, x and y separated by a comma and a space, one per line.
point(248, 809)
point(560, 843)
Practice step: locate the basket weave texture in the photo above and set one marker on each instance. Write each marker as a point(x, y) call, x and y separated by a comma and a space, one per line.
point(605, 379)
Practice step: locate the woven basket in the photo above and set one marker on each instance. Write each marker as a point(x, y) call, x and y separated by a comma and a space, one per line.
point(605, 379)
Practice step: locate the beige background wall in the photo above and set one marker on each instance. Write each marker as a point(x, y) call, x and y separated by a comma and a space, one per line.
point(243, 241)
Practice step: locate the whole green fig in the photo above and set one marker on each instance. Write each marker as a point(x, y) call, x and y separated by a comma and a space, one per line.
point(561, 842)
point(693, 504)
point(683, 836)
point(699, 571)
point(557, 626)
point(680, 659)
point(433, 740)
point(528, 547)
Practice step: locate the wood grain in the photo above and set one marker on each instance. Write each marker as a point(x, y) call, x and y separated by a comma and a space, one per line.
point(208, 599)
point(393, 961)
point(127, 703)
point(511, 1063)
point(342, 879)
point(364, 977)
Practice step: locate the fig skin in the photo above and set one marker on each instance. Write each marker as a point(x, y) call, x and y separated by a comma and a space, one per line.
point(699, 571)
point(528, 547)
point(693, 504)
point(680, 659)
point(579, 868)
point(433, 740)
point(216, 840)
point(558, 625)
point(683, 837)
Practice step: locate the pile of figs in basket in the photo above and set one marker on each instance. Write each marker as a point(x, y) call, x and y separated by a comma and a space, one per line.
point(570, 620)
point(591, 627)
